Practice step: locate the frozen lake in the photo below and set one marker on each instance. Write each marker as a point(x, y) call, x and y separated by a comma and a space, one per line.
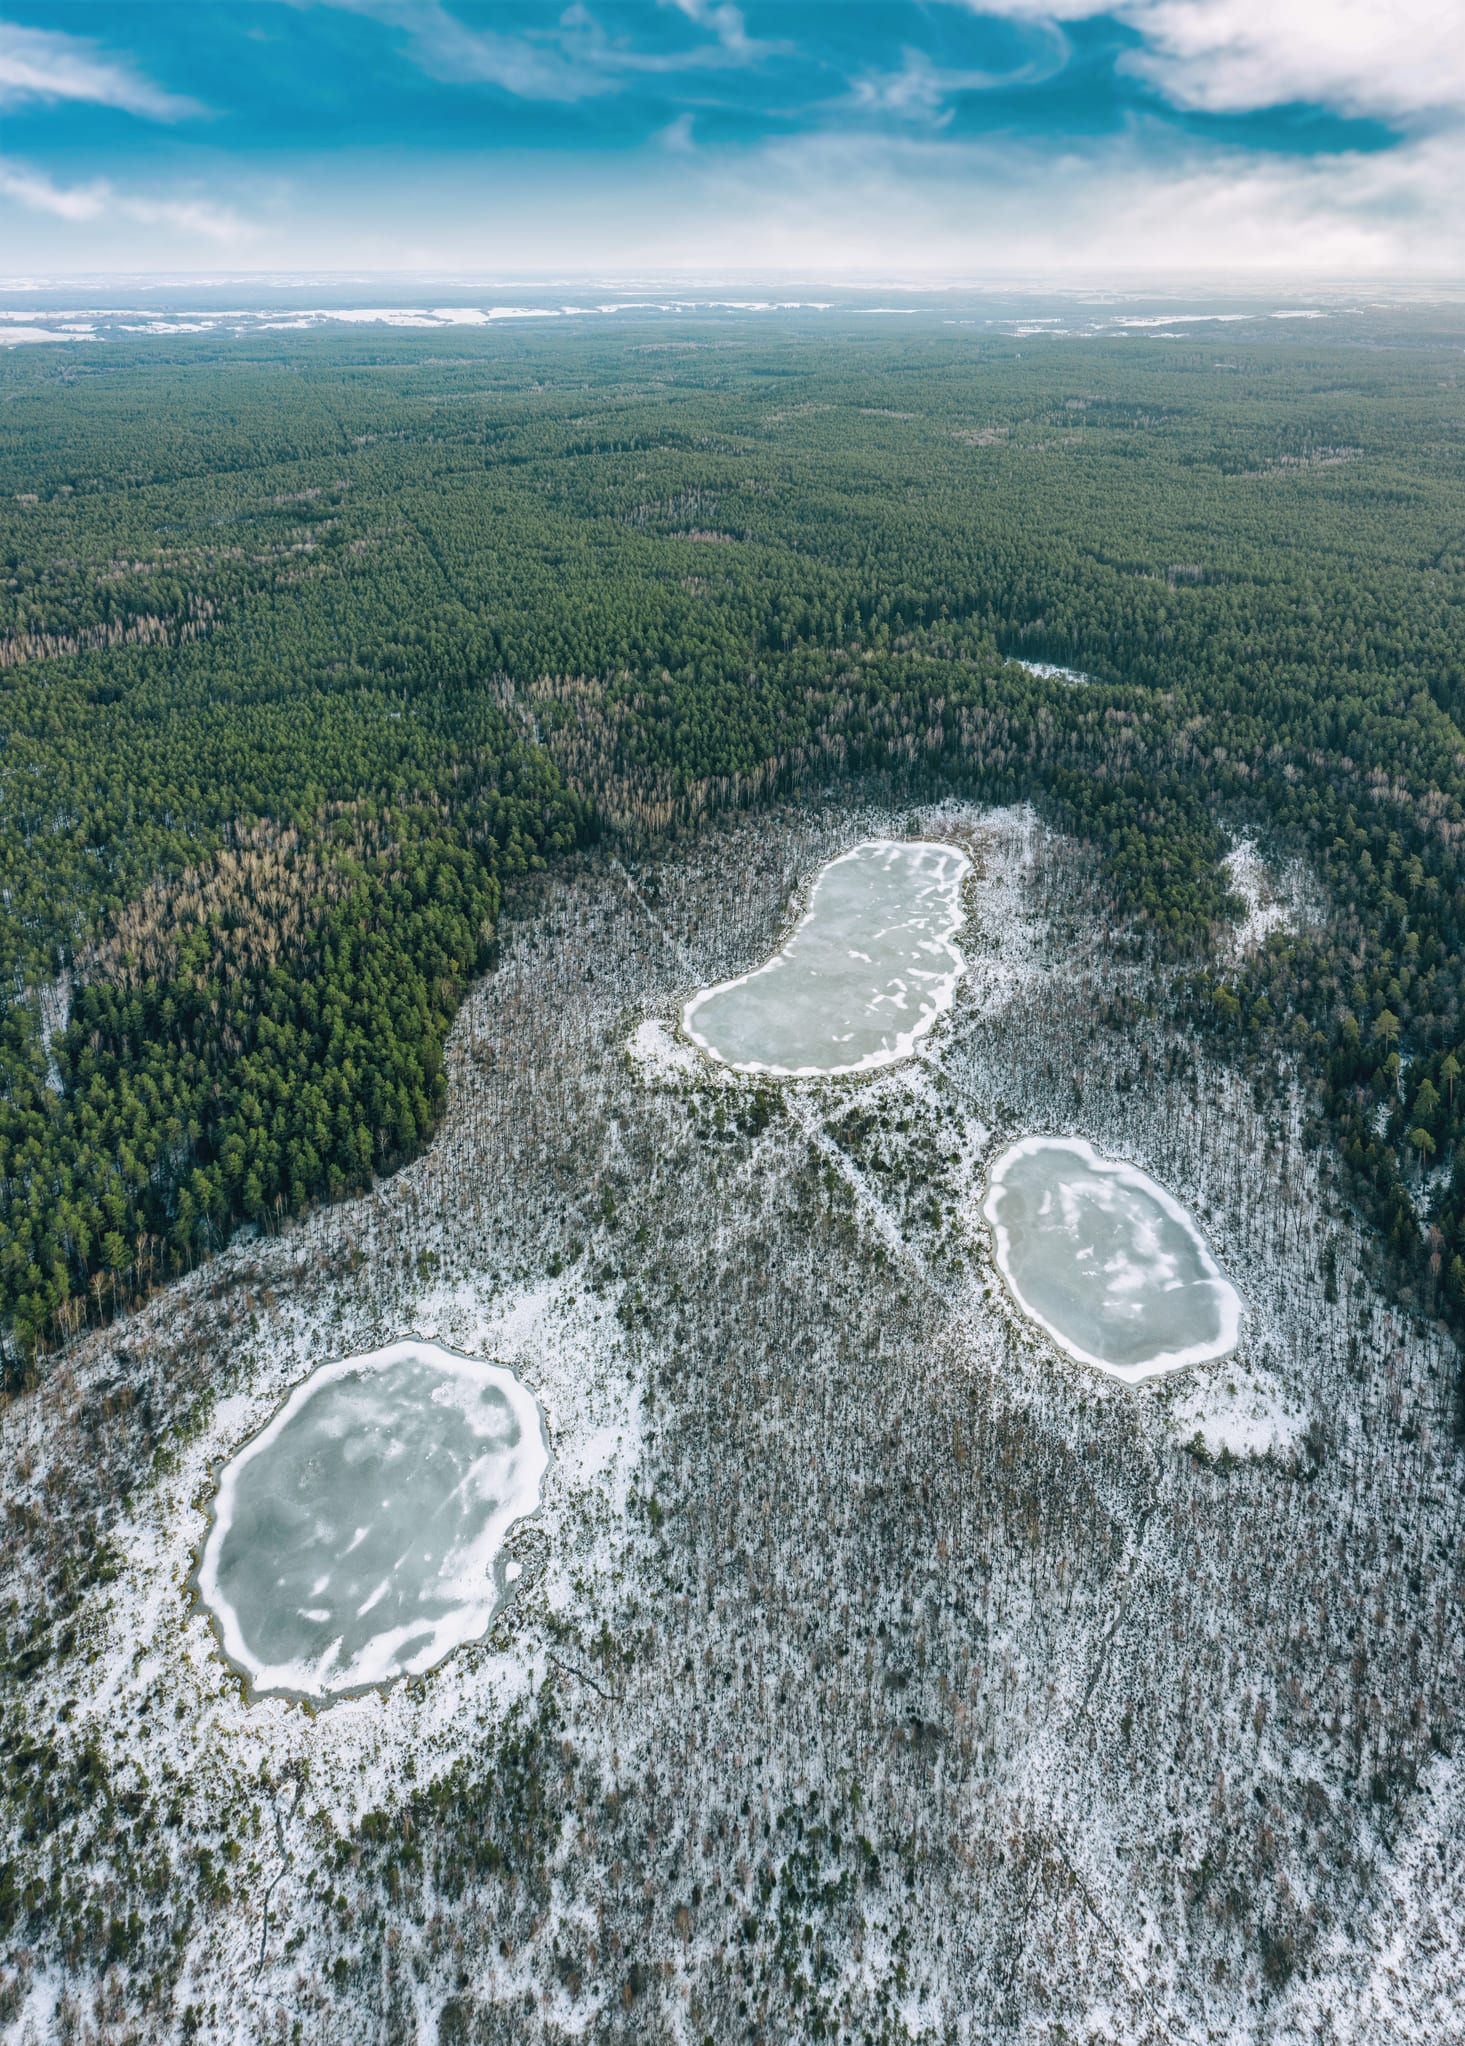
point(358, 1537)
point(867, 970)
point(1106, 1261)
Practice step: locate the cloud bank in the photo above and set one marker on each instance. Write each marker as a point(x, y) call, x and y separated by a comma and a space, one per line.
point(100, 201)
point(1394, 58)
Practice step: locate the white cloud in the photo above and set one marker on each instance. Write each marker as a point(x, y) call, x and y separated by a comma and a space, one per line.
point(100, 201)
point(903, 198)
point(841, 205)
point(914, 206)
point(1395, 59)
point(923, 91)
point(43, 64)
point(571, 60)
point(677, 136)
point(920, 207)
point(557, 67)
point(725, 22)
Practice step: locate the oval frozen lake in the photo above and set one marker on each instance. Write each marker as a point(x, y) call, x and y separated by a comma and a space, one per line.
point(866, 971)
point(1107, 1261)
point(358, 1538)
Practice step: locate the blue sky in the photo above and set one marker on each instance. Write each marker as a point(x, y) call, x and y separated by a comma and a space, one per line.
point(819, 138)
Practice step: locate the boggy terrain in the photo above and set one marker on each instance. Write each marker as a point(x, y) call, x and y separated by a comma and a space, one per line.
point(874, 1670)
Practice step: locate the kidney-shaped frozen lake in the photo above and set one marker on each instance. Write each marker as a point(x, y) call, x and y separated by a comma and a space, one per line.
point(1106, 1261)
point(359, 1536)
point(865, 973)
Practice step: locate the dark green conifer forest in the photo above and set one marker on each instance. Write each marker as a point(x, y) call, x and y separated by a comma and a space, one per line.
point(308, 652)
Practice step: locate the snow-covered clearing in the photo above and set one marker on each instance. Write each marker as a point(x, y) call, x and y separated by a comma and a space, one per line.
point(1274, 898)
point(1049, 671)
point(870, 1662)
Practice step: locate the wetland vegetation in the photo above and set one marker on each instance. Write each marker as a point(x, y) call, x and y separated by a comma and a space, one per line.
point(392, 740)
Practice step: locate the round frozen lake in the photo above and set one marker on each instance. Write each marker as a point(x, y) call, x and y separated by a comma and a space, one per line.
point(867, 970)
point(1106, 1261)
point(358, 1538)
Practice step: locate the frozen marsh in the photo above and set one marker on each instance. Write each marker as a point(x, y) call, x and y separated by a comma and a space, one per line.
point(853, 1644)
point(863, 975)
point(359, 1537)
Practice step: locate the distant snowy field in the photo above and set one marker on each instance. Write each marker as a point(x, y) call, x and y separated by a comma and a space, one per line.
point(37, 310)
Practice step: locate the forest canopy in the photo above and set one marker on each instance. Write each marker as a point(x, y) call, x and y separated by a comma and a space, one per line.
point(308, 652)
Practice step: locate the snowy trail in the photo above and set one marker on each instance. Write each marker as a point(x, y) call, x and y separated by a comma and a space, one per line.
point(867, 1200)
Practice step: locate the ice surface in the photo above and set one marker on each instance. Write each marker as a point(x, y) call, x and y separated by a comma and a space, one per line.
point(358, 1537)
point(866, 972)
point(1106, 1261)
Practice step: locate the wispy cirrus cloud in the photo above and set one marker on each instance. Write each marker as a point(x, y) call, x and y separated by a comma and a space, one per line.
point(45, 65)
point(99, 200)
point(557, 64)
point(726, 22)
point(572, 59)
point(924, 91)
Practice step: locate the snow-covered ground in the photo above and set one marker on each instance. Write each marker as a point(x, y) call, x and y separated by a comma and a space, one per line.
point(1239, 1412)
point(1274, 898)
point(871, 1663)
point(1050, 672)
